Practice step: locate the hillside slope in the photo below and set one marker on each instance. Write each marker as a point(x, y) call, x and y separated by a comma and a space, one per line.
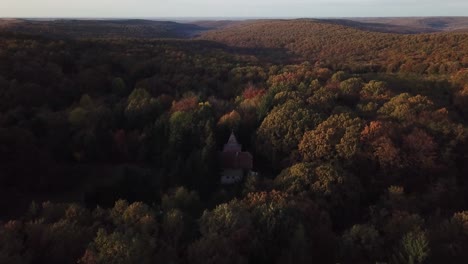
point(134, 28)
point(421, 24)
point(339, 46)
point(380, 26)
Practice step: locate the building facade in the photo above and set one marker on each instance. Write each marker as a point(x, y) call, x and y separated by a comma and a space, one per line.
point(234, 162)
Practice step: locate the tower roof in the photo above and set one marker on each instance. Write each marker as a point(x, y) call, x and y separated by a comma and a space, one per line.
point(232, 139)
point(232, 145)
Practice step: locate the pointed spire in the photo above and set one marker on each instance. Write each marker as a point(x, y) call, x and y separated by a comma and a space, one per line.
point(232, 139)
point(232, 145)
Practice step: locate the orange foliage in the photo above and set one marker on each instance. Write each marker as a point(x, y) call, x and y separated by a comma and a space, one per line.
point(373, 130)
point(386, 152)
point(376, 135)
point(287, 79)
point(259, 198)
point(185, 104)
point(231, 119)
point(461, 77)
point(377, 129)
point(324, 73)
point(461, 99)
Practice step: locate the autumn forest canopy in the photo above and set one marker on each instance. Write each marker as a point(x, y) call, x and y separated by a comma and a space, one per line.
point(111, 133)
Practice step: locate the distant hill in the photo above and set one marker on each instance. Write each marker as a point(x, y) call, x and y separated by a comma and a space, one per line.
point(405, 25)
point(411, 24)
point(218, 24)
point(384, 44)
point(334, 44)
point(380, 26)
point(140, 28)
point(134, 28)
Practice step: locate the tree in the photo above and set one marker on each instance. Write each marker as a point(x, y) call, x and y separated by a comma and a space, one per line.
point(449, 240)
point(141, 107)
point(118, 86)
point(282, 129)
point(461, 99)
point(120, 248)
point(421, 149)
point(339, 76)
point(349, 89)
point(336, 137)
point(378, 144)
point(298, 250)
point(296, 179)
point(182, 199)
point(414, 248)
point(405, 107)
point(323, 99)
point(230, 120)
point(180, 126)
point(132, 238)
point(361, 243)
point(185, 104)
point(375, 90)
point(338, 191)
point(12, 248)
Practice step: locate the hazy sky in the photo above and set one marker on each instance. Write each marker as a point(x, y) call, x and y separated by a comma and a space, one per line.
point(231, 8)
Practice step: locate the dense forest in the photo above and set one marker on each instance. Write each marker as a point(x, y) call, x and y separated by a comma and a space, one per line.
point(109, 146)
point(101, 29)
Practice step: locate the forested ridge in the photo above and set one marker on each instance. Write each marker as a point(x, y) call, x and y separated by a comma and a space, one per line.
point(342, 47)
point(109, 146)
point(100, 29)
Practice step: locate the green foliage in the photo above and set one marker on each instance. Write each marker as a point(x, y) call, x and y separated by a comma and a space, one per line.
point(282, 129)
point(362, 243)
point(180, 126)
point(118, 86)
point(78, 116)
point(140, 107)
point(405, 107)
point(121, 248)
point(414, 248)
point(323, 99)
point(350, 89)
point(296, 179)
point(374, 89)
point(339, 76)
point(183, 200)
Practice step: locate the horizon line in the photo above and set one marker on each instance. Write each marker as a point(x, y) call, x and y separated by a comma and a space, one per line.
point(219, 17)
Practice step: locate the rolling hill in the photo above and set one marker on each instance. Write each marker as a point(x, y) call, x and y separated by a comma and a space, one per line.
point(134, 28)
point(417, 24)
point(339, 46)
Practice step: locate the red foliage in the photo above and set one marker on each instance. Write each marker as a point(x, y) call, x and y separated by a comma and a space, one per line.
point(377, 129)
point(252, 92)
point(421, 148)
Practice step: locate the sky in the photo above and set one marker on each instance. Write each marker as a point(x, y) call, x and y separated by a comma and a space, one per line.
point(231, 8)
